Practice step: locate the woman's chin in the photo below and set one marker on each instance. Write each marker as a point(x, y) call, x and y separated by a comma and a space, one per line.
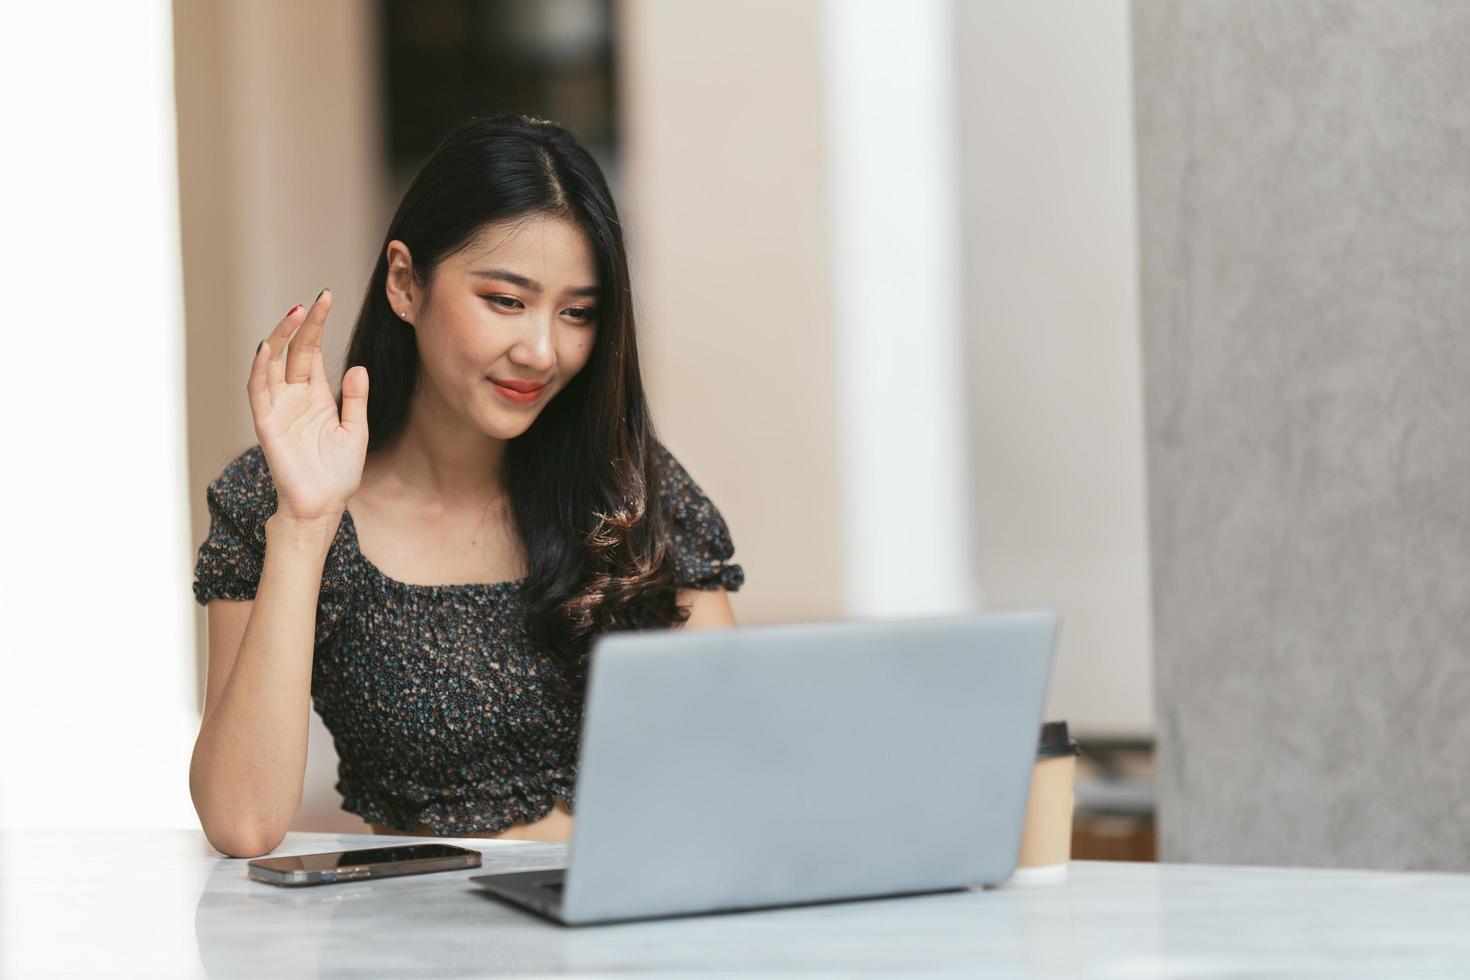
point(505, 425)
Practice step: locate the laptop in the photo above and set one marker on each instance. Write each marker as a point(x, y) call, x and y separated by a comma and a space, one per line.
point(781, 765)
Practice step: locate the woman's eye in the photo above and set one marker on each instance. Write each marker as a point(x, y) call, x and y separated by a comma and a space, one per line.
point(584, 314)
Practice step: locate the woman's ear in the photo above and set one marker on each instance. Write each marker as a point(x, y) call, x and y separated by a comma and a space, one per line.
point(403, 290)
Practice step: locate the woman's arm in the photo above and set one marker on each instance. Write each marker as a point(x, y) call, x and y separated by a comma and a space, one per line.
point(250, 757)
point(708, 608)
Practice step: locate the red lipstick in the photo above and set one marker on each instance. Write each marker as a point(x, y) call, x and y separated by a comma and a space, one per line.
point(519, 392)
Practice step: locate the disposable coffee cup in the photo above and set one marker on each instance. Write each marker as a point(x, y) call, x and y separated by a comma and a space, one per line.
point(1046, 841)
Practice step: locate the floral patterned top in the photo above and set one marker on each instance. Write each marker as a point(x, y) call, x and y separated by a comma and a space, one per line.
point(443, 711)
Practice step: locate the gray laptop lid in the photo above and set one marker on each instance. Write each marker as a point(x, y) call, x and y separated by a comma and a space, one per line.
point(768, 765)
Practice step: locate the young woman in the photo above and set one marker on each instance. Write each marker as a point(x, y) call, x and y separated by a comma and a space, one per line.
point(428, 564)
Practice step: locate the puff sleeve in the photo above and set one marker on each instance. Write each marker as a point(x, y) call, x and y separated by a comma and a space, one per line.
point(702, 544)
point(229, 562)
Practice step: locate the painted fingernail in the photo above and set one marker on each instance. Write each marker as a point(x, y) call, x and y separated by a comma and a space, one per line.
point(319, 295)
point(259, 346)
point(292, 310)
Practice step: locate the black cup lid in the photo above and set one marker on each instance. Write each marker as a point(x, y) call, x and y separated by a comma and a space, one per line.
point(1056, 741)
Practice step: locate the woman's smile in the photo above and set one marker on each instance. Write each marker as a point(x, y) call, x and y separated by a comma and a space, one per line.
point(518, 392)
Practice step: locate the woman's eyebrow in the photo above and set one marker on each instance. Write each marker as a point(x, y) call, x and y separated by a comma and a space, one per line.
point(516, 279)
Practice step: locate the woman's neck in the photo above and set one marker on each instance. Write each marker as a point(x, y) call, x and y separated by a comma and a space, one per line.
point(436, 456)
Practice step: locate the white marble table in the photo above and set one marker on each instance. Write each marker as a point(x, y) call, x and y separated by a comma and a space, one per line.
point(162, 903)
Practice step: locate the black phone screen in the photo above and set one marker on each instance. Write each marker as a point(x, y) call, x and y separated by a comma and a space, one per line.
point(368, 855)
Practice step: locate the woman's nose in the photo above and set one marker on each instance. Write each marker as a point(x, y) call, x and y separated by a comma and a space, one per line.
point(534, 347)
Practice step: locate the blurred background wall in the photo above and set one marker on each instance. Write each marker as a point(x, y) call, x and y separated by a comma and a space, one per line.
point(1055, 422)
point(725, 204)
point(1304, 174)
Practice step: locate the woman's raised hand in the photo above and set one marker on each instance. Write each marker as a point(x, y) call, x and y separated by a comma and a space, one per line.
point(315, 458)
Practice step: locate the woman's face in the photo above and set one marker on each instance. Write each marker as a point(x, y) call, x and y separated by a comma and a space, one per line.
point(505, 323)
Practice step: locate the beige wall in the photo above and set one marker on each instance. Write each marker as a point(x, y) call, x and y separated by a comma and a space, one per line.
point(725, 204)
point(280, 195)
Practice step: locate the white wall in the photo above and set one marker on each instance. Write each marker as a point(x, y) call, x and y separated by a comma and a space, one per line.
point(97, 716)
point(1051, 268)
point(895, 267)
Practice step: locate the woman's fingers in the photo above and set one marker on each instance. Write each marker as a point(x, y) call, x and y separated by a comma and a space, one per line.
point(257, 386)
point(354, 400)
point(306, 346)
point(291, 354)
point(277, 341)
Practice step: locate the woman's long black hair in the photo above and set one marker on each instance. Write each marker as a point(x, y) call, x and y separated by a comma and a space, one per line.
point(584, 478)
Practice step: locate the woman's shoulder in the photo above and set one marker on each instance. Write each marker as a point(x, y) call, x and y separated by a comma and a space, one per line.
point(244, 487)
point(230, 560)
point(702, 540)
point(242, 497)
point(685, 498)
point(247, 471)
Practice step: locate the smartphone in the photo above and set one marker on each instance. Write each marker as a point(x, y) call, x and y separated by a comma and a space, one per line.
point(372, 862)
